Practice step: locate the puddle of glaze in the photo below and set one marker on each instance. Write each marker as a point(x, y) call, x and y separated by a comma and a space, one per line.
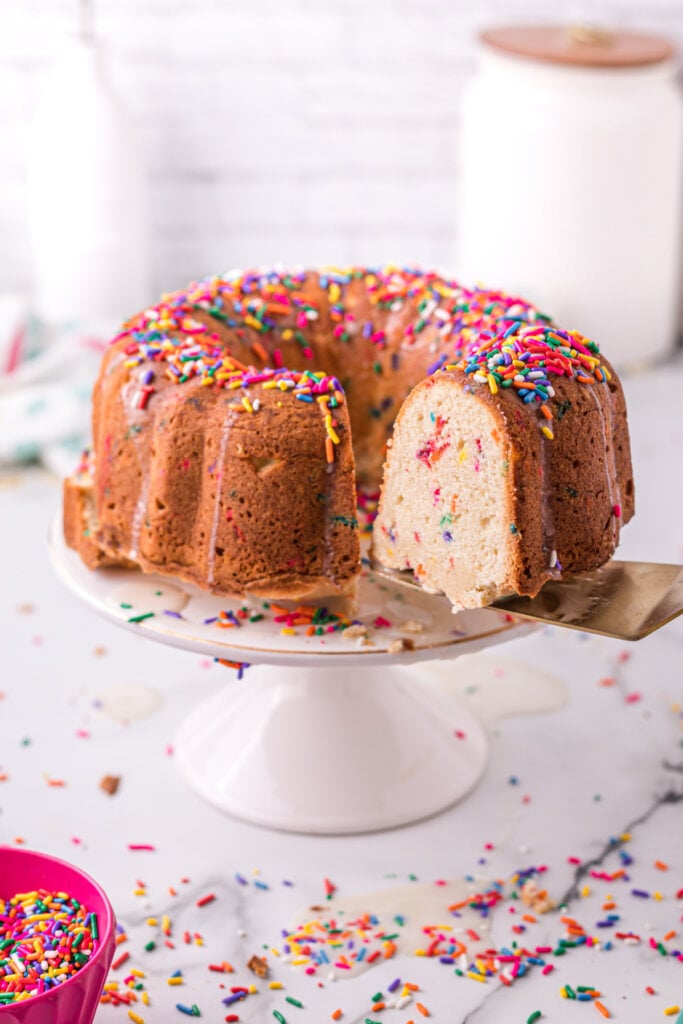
point(127, 702)
point(136, 597)
point(407, 610)
point(370, 610)
point(403, 912)
point(495, 688)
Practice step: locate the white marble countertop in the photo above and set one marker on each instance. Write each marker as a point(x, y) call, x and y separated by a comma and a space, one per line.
point(569, 782)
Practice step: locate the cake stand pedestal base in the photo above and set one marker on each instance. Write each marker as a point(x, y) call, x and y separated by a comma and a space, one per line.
point(332, 750)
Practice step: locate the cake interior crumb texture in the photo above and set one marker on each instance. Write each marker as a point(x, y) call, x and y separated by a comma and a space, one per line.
point(445, 498)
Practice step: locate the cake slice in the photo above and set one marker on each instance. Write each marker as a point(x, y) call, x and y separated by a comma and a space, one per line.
point(487, 494)
point(81, 528)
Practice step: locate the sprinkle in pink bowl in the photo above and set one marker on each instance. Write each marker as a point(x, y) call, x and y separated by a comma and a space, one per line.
point(76, 1000)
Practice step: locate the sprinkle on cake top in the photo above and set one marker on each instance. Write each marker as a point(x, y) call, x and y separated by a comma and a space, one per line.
point(499, 340)
point(306, 387)
point(526, 357)
point(282, 304)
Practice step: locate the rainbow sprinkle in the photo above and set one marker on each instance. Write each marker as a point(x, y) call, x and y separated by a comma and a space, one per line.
point(264, 305)
point(526, 357)
point(45, 938)
point(500, 341)
point(335, 944)
point(306, 386)
point(316, 618)
point(264, 308)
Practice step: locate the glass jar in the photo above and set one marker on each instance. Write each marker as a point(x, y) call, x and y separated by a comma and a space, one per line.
point(571, 187)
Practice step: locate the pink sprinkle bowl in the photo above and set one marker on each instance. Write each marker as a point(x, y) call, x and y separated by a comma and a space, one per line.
point(76, 1000)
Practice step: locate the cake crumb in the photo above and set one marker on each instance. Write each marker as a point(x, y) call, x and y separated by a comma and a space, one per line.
point(536, 898)
point(258, 965)
point(400, 644)
point(411, 626)
point(110, 784)
point(354, 632)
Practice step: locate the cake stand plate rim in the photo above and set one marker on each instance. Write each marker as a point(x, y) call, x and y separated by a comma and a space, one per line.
point(89, 586)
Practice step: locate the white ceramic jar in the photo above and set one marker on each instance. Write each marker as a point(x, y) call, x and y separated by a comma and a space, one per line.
point(572, 183)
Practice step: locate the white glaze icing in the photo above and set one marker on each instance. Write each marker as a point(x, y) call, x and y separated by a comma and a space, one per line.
point(611, 464)
point(547, 517)
point(128, 702)
point(147, 595)
point(408, 610)
point(328, 572)
point(138, 517)
point(130, 394)
point(495, 688)
point(220, 464)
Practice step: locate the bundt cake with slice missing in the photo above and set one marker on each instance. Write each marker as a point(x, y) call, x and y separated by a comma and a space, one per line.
point(214, 463)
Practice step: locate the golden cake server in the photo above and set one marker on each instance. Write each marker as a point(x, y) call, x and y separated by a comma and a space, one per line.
point(624, 600)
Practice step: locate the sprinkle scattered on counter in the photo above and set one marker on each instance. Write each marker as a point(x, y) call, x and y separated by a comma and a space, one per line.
point(205, 900)
point(327, 948)
point(323, 954)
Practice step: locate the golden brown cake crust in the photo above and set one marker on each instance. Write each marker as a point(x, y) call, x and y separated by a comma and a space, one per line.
point(236, 501)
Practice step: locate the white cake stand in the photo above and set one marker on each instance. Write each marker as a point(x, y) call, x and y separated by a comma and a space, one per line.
point(325, 734)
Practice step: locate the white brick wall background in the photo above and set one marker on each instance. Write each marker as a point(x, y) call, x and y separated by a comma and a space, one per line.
point(295, 131)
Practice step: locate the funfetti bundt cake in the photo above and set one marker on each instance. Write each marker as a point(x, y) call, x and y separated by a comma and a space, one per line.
point(215, 462)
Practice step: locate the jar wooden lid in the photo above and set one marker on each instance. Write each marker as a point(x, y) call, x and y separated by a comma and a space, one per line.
point(580, 45)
